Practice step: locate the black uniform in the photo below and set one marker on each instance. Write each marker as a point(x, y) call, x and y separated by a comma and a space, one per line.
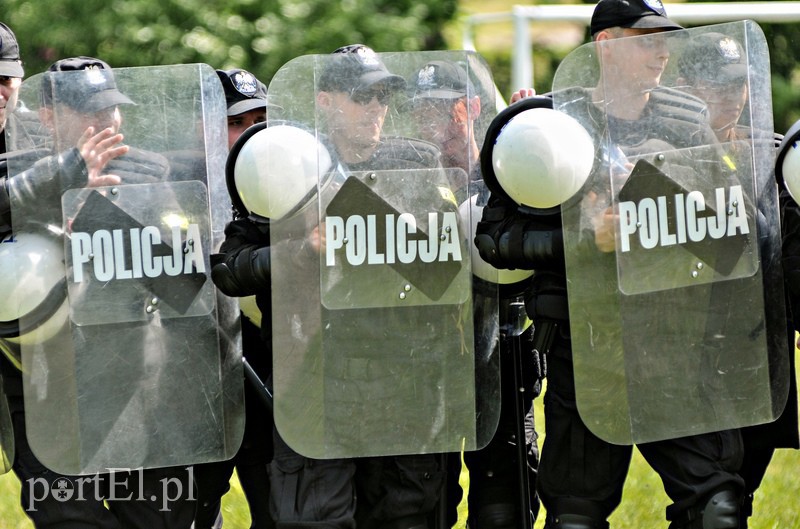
point(495, 488)
point(497, 480)
point(581, 476)
point(147, 506)
point(761, 441)
point(254, 454)
point(396, 491)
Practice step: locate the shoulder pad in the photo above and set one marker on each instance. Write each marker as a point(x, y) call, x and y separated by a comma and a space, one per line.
point(26, 131)
point(679, 105)
point(139, 167)
point(396, 152)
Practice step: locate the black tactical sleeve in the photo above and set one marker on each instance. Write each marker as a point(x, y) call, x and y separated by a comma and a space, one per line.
point(139, 167)
point(242, 266)
point(790, 227)
point(45, 181)
point(395, 152)
point(509, 238)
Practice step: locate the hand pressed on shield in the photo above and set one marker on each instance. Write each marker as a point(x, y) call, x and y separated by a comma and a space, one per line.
point(97, 150)
point(604, 221)
point(317, 238)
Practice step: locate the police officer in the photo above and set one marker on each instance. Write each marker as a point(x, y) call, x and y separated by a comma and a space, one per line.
point(713, 66)
point(581, 476)
point(246, 99)
point(87, 151)
point(354, 91)
point(445, 108)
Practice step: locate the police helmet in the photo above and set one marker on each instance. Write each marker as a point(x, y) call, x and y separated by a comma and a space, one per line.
point(536, 156)
point(33, 288)
point(273, 171)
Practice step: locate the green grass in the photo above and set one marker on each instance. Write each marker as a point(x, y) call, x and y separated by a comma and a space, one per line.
point(643, 501)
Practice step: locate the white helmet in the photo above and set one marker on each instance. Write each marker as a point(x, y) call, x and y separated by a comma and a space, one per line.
point(542, 157)
point(33, 288)
point(275, 170)
point(481, 268)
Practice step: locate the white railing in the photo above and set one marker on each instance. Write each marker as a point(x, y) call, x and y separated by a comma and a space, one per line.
point(688, 14)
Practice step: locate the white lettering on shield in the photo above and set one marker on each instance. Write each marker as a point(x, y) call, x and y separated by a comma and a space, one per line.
point(649, 219)
point(111, 257)
point(364, 242)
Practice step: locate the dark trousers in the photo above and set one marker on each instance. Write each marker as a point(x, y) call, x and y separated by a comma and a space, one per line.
point(393, 492)
point(253, 457)
point(212, 483)
point(311, 493)
point(494, 470)
point(580, 473)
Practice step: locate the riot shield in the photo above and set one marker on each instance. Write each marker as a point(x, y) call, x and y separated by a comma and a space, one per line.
point(678, 319)
point(377, 350)
point(7, 444)
point(144, 368)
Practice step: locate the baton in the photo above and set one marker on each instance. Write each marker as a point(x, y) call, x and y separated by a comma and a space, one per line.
point(522, 455)
point(263, 391)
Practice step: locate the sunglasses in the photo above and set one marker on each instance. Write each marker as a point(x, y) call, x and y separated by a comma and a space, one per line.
point(365, 98)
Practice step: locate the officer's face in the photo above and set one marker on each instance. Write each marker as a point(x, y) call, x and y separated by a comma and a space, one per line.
point(434, 119)
point(70, 124)
point(725, 102)
point(238, 124)
point(355, 119)
point(9, 90)
point(638, 62)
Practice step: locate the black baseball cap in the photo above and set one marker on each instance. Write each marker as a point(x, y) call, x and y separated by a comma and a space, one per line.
point(441, 80)
point(243, 92)
point(357, 68)
point(638, 14)
point(91, 91)
point(713, 57)
point(10, 62)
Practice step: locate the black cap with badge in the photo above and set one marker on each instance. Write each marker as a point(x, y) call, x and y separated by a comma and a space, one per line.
point(243, 91)
point(357, 68)
point(92, 90)
point(441, 80)
point(713, 57)
point(10, 62)
point(637, 14)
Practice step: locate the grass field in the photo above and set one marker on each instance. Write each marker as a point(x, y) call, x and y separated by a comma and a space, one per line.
point(643, 502)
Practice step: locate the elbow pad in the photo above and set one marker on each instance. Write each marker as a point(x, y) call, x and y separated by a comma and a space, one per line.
point(521, 248)
point(527, 248)
point(48, 178)
point(246, 274)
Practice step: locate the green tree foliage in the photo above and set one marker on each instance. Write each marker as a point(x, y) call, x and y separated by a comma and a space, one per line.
point(259, 35)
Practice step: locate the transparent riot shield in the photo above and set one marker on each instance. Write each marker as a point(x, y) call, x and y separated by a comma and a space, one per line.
point(142, 367)
point(673, 245)
point(377, 349)
point(7, 444)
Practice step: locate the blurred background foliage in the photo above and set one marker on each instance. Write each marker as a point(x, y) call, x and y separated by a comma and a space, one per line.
point(262, 35)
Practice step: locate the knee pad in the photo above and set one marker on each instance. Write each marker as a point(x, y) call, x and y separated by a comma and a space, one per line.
point(574, 521)
point(721, 511)
point(493, 516)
